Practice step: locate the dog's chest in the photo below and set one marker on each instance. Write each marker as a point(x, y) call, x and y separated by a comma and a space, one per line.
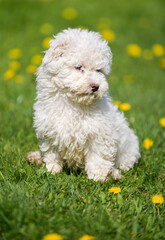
point(73, 137)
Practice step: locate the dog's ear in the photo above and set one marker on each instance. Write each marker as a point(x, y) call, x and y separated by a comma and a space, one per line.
point(56, 50)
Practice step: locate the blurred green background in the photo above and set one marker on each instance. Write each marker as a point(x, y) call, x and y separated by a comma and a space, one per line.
point(135, 31)
point(25, 25)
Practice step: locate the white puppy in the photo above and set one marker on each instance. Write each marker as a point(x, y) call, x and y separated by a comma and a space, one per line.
point(76, 123)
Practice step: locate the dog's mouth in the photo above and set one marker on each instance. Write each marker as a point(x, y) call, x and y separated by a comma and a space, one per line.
point(90, 92)
point(85, 98)
point(86, 94)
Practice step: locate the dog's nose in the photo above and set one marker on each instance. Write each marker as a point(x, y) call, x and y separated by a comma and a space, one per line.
point(94, 87)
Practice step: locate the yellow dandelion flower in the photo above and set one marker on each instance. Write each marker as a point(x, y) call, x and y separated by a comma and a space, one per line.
point(148, 143)
point(117, 103)
point(147, 54)
point(53, 236)
point(162, 63)
point(9, 74)
point(37, 59)
point(18, 79)
point(46, 42)
point(31, 69)
point(157, 199)
point(162, 122)
point(14, 65)
point(158, 50)
point(108, 35)
point(15, 53)
point(125, 106)
point(69, 13)
point(114, 190)
point(86, 237)
point(134, 50)
point(46, 29)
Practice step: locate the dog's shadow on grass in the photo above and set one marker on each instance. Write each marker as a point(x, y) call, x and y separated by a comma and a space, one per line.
point(66, 170)
point(70, 171)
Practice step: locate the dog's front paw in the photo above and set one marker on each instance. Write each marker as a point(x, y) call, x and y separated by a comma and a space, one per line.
point(127, 161)
point(97, 168)
point(97, 178)
point(53, 168)
point(116, 173)
point(97, 175)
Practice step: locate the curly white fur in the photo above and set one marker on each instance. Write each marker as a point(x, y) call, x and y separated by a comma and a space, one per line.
point(76, 123)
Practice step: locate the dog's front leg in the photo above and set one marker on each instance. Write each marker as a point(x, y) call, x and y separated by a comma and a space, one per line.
point(98, 168)
point(52, 161)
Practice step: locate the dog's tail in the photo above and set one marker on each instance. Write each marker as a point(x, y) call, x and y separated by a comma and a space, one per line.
point(34, 158)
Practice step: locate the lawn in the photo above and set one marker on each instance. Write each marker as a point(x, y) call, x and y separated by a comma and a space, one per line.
point(33, 203)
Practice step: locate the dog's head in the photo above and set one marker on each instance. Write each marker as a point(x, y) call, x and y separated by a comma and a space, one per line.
point(79, 62)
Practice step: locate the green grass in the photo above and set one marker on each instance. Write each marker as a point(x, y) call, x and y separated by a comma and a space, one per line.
point(34, 203)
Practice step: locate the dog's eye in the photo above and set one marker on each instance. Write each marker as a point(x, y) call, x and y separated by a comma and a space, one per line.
point(98, 70)
point(78, 68)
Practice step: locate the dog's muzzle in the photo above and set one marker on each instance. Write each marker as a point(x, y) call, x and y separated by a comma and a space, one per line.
point(94, 87)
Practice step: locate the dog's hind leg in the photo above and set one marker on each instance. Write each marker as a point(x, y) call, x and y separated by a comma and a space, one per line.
point(34, 158)
point(128, 151)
